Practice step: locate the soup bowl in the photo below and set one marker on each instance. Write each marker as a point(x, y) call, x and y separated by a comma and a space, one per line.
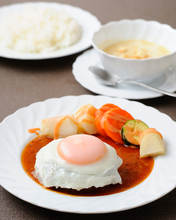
point(144, 70)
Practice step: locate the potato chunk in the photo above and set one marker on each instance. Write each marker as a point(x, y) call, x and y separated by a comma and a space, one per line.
point(65, 127)
point(48, 125)
point(59, 127)
point(152, 144)
point(85, 117)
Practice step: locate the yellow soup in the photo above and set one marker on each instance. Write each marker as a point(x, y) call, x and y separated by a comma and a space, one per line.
point(136, 49)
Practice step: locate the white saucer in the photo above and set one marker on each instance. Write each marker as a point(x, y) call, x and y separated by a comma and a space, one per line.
point(87, 80)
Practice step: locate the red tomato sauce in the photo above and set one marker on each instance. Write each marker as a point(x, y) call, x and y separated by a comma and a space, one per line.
point(133, 171)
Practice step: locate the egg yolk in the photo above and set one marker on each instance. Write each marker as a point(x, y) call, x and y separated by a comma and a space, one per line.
point(81, 149)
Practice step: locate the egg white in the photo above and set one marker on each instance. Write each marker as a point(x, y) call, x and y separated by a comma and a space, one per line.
point(53, 171)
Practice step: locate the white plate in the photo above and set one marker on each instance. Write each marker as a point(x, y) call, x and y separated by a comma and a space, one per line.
point(14, 136)
point(87, 80)
point(88, 22)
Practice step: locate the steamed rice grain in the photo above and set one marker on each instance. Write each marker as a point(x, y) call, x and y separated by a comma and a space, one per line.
point(38, 30)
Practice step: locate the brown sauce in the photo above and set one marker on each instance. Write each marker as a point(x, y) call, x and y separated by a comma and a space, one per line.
point(133, 170)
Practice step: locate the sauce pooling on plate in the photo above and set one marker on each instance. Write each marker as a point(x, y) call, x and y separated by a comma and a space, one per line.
point(133, 170)
point(136, 49)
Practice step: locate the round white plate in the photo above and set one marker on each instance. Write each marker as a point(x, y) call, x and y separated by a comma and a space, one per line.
point(14, 136)
point(87, 80)
point(88, 22)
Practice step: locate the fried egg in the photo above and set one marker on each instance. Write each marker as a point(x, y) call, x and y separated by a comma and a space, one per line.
point(77, 162)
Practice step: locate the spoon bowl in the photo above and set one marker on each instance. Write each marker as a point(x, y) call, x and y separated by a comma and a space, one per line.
point(112, 80)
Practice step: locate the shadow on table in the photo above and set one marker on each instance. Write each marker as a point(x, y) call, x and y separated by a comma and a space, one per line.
point(42, 65)
point(164, 104)
point(159, 101)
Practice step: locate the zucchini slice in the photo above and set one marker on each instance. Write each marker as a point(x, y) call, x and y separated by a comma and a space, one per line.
point(132, 130)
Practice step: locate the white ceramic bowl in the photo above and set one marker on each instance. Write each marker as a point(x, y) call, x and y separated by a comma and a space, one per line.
point(145, 70)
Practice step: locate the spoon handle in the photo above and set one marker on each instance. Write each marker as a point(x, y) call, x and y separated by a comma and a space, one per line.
point(150, 87)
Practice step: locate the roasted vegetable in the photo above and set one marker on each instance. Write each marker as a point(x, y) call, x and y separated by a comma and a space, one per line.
point(132, 130)
point(113, 120)
point(99, 119)
point(151, 143)
point(85, 117)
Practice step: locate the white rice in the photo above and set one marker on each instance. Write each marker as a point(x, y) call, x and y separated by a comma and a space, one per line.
point(37, 30)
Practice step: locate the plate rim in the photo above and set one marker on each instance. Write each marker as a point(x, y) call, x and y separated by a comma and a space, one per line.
point(84, 96)
point(11, 54)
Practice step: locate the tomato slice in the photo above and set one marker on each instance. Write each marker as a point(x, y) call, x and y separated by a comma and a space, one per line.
point(99, 117)
point(113, 120)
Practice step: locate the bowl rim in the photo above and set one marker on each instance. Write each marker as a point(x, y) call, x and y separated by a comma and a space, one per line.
point(132, 59)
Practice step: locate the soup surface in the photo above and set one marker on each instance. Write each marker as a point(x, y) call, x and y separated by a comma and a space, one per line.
point(133, 170)
point(136, 49)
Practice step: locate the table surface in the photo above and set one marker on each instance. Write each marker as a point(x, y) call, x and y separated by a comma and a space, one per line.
point(25, 82)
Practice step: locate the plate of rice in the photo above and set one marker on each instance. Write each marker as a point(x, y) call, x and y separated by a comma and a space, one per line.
point(43, 30)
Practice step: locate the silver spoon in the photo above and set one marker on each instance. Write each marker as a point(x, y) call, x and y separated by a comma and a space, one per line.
point(109, 80)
